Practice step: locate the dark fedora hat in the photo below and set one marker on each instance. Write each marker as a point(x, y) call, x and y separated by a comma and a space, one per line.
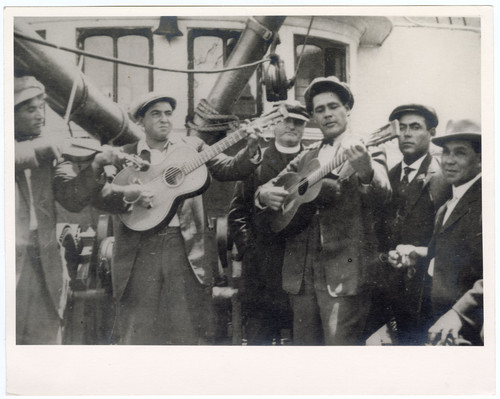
point(141, 105)
point(460, 129)
point(329, 83)
point(427, 112)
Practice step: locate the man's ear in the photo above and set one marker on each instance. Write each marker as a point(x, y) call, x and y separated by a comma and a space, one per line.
point(348, 109)
point(140, 121)
point(432, 131)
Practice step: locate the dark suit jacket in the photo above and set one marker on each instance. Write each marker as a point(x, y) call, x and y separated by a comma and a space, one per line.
point(458, 251)
point(413, 222)
point(345, 221)
point(470, 307)
point(409, 220)
point(249, 225)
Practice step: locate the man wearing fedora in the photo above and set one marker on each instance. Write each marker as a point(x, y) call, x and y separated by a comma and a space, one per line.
point(40, 286)
point(418, 190)
point(328, 265)
point(162, 278)
point(456, 244)
point(266, 306)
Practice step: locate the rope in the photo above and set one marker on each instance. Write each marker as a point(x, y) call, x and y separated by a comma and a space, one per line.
point(303, 47)
point(71, 100)
point(131, 63)
point(215, 121)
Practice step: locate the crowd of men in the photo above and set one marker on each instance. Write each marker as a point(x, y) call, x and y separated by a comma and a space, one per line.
point(377, 247)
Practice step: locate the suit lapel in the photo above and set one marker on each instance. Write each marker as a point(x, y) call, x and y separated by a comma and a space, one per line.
point(416, 186)
point(23, 186)
point(473, 194)
point(395, 175)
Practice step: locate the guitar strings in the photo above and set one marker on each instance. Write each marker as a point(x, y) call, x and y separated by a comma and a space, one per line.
point(194, 163)
point(340, 159)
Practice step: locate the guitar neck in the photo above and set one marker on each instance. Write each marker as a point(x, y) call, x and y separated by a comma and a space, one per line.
point(327, 168)
point(222, 145)
point(214, 150)
point(380, 136)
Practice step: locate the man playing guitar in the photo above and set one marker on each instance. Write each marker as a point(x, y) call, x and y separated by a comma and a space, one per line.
point(327, 266)
point(162, 277)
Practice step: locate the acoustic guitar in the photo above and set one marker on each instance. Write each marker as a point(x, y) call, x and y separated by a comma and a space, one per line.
point(183, 174)
point(304, 185)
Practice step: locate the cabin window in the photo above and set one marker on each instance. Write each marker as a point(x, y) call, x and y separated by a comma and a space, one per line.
point(321, 58)
point(121, 83)
point(209, 49)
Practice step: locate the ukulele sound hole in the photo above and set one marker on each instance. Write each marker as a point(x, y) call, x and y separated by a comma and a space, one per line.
point(173, 176)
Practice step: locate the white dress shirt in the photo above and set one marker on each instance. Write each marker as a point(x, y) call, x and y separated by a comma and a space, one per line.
point(458, 193)
point(415, 166)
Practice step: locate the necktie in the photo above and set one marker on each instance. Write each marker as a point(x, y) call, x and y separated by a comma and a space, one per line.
point(405, 181)
point(407, 171)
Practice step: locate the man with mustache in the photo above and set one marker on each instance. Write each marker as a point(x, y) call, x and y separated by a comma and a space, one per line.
point(418, 190)
point(328, 265)
point(456, 246)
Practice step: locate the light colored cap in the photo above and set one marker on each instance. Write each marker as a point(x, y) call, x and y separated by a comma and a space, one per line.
point(330, 83)
point(26, 88)
point(141, 105)
point(295, 109)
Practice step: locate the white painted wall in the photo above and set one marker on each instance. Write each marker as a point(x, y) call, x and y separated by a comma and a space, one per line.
point(437, 67)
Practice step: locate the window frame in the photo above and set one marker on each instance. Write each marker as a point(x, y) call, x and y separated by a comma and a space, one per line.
point(323, 43)
point(115, 33)
point(224, 34)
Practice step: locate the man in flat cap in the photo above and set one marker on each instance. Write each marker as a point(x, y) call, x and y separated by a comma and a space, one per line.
point(455, 249)
point(418, 190)
point(162, 277)
point(39, 271)
point(328, 262)
point(266, 308)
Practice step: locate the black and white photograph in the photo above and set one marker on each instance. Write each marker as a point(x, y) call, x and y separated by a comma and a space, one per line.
point(219, 195)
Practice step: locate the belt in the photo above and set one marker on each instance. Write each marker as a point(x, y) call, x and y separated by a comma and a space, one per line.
point(169, 230)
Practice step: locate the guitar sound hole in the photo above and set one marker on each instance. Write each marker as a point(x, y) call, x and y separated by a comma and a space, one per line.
point(303, 188)
point(173, 176)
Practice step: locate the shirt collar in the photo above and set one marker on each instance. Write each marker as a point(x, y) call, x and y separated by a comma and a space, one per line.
point(287, 150)
point(335, 142)
point(143, 146)
point(458, 192)
point(415, 165)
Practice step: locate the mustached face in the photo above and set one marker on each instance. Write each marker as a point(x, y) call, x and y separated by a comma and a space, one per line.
point(414, 138)
point(459, 161)
point(157, 122)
